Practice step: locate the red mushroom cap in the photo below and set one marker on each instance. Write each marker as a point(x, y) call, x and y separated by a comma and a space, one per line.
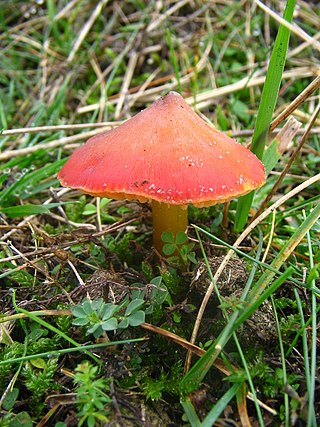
point(165, 153)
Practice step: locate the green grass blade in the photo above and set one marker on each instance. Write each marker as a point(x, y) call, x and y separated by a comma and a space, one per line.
point(217, 409)
point(271, 156)
point(279, 144)
point(267, 105)
point(245, 255)
point(285, 252)
point(191, 413)
point(28, 181)
point(302, 329)
point(253, 305)
point(272, 83)
point(47, 325)
point(283, 363)
point(309, 373)
point(199, 370)
point(255, 298)
point(57, 353)
point(312, 374)
point(3, 120)
point(52, 16)
point(174, 60)
point(30, 209)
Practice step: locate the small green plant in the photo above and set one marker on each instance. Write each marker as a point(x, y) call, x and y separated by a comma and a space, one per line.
point(177, 248)
point(5, 421)
point(91, 394)
point(37, 90)
point(13, 419)
point(16, 420)
point(38, 378)
point(74, 211)
point(270, 380)
point(121, 246)
point(172, 279)
point(231, 302)
point(99, 317)
point(23, 278)
point(166, 382)
point(91, 209)
point(154, 294)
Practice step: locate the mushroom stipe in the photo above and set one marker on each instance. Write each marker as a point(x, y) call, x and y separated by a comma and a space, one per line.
point(168, 155)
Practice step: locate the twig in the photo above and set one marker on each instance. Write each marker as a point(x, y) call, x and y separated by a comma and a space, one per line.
point(294, 28)
point(288, 165)
point(296, 51)
point(99, 223)
point(10, 154)
point(154, 24)
point(296, 102)
point(33, 264)
point(64, 245)
point(37, 129)
point(205, 99)
point(79, 278)
point(287, 133)
point(86, 28)
point(103, 96)
point(26, 220)
point(133, 59)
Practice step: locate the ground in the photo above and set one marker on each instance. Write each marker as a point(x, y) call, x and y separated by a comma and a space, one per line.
point(95, 324)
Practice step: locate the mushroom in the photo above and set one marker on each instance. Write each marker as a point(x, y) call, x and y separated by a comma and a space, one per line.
point(168, 155)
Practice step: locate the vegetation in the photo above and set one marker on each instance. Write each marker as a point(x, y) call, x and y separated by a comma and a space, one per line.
point(95, 328)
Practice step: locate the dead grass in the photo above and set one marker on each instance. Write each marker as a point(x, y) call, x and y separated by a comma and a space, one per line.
point(72, 69)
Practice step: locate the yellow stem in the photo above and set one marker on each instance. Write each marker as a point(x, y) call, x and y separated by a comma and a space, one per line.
point(166, 217)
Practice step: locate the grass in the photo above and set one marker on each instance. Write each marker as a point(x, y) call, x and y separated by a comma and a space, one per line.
point(267, 105)
point(88, 312)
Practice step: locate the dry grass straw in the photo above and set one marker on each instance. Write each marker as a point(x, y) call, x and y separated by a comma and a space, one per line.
point(55, 67)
